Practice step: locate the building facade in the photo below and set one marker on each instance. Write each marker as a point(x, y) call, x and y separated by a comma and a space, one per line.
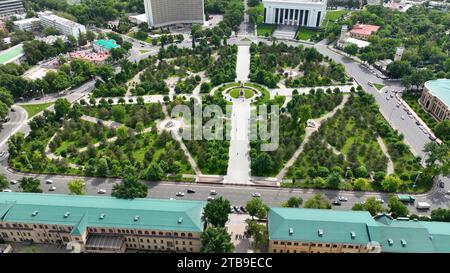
point(102, 224)
point(293, 230)
point(436, 98)
point(168, 12)
point(63, 25)
point(9, 8)
point(28, 24)
point(306, 13)
point(363, 31)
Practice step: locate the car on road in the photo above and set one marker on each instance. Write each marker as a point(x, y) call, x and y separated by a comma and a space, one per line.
point(210, 198)
point(231, 209)
point(190, 191)
point(236, 209)
point(387, 98)
point(101, 191)
point(213, 192)
point(391, 96)
point(406, 198)
point(243, 209)
point(448, 192)
point(403, 117)
point(380, 200)
point(423, 205)
point(13, 110)
point(441, 184)
point(370, 82)
point(336, 203)
point(418, 123)
point(52, 188)
point(342, 198)
point(256, 194)
point(2, 153)
point(13, 182)
point(180, 193)
point(48, 181)
point(6, 190)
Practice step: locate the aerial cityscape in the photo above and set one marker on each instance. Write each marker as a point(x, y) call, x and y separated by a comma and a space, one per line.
point(224, 126)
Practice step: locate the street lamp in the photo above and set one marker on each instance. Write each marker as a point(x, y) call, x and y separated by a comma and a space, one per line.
point(415, 180)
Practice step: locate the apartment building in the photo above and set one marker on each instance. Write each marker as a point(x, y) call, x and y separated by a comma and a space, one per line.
point(63, 25)
point(294, 230)
point(9, 8)
point(168, 12)
point(436, 98)
point(28, 24)
point(102, 224)
point(306, 13)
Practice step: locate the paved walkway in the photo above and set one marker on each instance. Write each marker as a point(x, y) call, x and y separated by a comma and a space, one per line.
point(390, 164)
point(243, 63)
point(308, 133)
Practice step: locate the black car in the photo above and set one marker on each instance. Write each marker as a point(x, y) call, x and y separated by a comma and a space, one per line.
point(417, 122)
point(442, 184)
point(243, 209)
point(336, 203)
point(190, 191)
point(236, 209)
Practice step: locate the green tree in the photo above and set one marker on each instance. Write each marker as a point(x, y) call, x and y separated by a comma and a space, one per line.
point(256, 208)
point(30, 184)
point(196, 31)
point(371, 205)
point(351, 49)
point(62, 107)
point(318, 201)
point(397, 208)
point(76, 187)
point(258, 232)
point(438, 158)
point(216, 240)
point(102, 168)
point(4, 184)
point(122, 132)
point(130, 188)
point(139, 127)
point(118, 113)
point(262, 164)
point(442, 130)
point(361, 184)
point(391, 183)
point(440, 215)
point(154, 172)
point(216, 212)
point(293, 202)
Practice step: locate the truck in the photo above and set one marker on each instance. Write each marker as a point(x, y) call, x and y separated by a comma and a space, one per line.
point(406, 198)
point(423, 205)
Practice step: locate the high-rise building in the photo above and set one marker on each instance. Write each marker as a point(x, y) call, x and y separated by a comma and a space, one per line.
point(63, 25)
point(168, 12)
point(9, 8)
point(307, 13)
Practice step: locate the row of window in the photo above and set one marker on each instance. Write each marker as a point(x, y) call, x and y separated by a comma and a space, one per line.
point(315, 245)
point(135, 246)
point(34, 226)
point(140, 232)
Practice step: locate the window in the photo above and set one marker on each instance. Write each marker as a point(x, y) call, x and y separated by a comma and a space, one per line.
point(175, 234)
point(183, 234)
point(154, 241)
point(327, 245)
point(190, 243)
point(176, 242)
point(146, 232)
point(289, 243)
point(189, 234)
point(177, 248)
point(184, 242)
point(156, 247)
point(295, 244)
point(275, 242)
point(335, 246)
point(287, 251)
point(141, 240)
point(139, 232)
point(153, 233)
point(295, 251)
point(160, 233)
point(282, 243)
point(274, 251)
point(162, 242)
point(281, 251)
point(190, 249)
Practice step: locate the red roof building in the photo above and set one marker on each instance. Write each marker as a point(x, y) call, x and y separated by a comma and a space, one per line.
point(362, 31)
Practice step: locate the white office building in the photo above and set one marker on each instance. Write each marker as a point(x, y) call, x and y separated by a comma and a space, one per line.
point(63, 25)
point(28, 24)
point(307, 13)
point(9, 8)
point(169, 12)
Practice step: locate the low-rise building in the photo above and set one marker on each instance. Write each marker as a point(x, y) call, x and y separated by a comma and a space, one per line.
point(63, 25)
point(12, 55)
point(102, 224)
point(28, 24)
point(10, 8)
point(294, 230)
point(363, 31)
point(105, 45)
point(138, 19)
point(436, 98)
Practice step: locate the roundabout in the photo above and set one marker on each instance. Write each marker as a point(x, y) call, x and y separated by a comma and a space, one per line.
point(242, 92)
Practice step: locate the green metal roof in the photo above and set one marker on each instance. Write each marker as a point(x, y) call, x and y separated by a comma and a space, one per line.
point(140, 213)
point(393, 235)
point(441, 89)
point(107, 43)
point(11, 54)
point(307, 224)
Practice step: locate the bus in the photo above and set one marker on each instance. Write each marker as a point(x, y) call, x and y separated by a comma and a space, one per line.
point(406, 198)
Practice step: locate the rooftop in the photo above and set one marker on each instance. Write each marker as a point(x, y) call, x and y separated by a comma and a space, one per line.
point(11, 54)
point(26, 21)
point(107, 43)
point(357, 42)
point(364, 29)
point(440, 89)
point(95, 211)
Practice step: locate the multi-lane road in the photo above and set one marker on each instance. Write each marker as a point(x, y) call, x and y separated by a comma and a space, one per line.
point(239, 195)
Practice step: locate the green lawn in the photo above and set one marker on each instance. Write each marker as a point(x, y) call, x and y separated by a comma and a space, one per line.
point(306, 34)
point(262, 29)
point(378, 85)
point(333, 15)
point(133, 35)
point(33, 109)
point(142, 51)
point(247, 93)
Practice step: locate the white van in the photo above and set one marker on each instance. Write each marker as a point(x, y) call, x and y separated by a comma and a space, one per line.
point(423, 205)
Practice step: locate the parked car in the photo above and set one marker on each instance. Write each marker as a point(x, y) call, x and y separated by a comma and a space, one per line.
point(256, 194)
point(13, 182)
point(243, 209)
point(13, 110)
point(101, 191)
point(180, 193)
point(7, 190)
point(210, 198)
point(417, 122)
point(441, 184)
point(190, 191)
point(231, 209)
point(52, 188)
point(2, 153)
point(48, 181)
point(336, 203)
point(423, 205)
point(380, 200)
point(448, 192)
point(342, 198)
point(213, 192)
point(236, 209)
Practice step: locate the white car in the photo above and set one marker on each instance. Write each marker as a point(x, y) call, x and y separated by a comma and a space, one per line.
point(256, 194)
point(7, 190)
point(101, 191)
point(448, 193)
point(52, 188)
point(48, 181)
point(13, 182)
point(210, 198)
point(380, 200)
point(180, 193)
point(403, 117)
point(342, 198)
point(213, 192)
